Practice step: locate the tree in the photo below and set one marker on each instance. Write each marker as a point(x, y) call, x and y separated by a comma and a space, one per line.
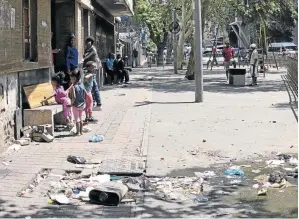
point(157, 17)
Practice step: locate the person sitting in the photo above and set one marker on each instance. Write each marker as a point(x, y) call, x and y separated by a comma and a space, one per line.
point(120, 71)
point(110, 72)
point(61, 97)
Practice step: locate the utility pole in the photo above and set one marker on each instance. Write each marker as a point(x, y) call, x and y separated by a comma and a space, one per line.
point(174, 37)
point(198, 54)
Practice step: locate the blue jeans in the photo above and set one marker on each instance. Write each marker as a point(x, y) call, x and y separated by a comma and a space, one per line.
point(96, 91)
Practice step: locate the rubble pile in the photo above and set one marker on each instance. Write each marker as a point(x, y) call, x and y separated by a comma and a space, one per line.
point(40, 133)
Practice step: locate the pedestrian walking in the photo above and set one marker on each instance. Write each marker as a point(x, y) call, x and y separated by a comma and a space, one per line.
point(253, 63)
point(228, 54)
point(78, 103)
point(90, 54)
point(214, 57)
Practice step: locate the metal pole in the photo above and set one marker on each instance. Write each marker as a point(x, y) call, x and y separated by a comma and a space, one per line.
point(198, 54)
point(175, 54)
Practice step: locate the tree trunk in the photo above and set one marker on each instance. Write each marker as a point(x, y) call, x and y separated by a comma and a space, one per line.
point(180, 48)
point(169, 50)
point(160, 48)
point(191, 65)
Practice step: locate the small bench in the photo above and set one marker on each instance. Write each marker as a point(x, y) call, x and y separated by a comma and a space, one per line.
point(42, 115)
point(237, 76)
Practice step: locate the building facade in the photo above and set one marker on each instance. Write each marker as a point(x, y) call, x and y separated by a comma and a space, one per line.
point(26, 46)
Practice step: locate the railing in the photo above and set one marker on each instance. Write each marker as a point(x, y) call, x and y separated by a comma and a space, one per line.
point(291, 82)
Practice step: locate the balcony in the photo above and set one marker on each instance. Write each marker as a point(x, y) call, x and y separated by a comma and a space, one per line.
point(118, 8)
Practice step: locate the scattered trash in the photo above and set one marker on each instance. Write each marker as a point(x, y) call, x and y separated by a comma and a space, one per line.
point(162, 158)
point(274, 163)
point(291, 146)
point(136, 183)
point(235, 182)
point(60, 198)
point(262, 192)
point(205, 174)
point(86, 129)
point(256, 171)
point(277, 177)
point(112, 178)
point(96, 138)
point(201, 198)
point(5, 163)
point(100, 178)
point(76, 160)
point(293, 161)
point(204, 140)
point(284, 157)
point(256, 186)
point(261, 178)
point(246, 166)
point(109, 194)
point(274, 121)
point(73, 131)
point(236, 172)
point(127, 200)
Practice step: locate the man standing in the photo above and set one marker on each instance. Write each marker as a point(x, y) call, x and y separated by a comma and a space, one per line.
point(228, 54)
point(253, 63)
point(90, 54)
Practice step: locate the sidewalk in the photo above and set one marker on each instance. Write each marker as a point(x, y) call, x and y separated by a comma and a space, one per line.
point(154, 119)
point(125, 129)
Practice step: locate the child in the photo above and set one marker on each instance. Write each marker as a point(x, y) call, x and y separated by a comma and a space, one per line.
point(88, 84)
point(78, 96)
point(61, 97)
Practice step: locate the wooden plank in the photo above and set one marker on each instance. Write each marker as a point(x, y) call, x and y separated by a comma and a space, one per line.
point(36, 93)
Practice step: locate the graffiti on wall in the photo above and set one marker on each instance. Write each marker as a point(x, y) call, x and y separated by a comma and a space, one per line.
point(7, 15)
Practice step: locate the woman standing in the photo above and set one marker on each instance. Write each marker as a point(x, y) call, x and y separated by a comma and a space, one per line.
point(71, 55)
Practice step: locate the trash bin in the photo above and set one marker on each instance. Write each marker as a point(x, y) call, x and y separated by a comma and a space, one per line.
point(237, 76)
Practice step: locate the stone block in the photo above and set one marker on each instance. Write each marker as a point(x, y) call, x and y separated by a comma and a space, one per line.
point(22, 142)
point(27, 129)
point(47, 137)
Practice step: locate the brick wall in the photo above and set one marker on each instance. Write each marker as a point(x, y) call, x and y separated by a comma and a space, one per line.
point(11, 36)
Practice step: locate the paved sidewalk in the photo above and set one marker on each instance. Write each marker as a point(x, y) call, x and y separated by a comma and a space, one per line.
point(125, 129)
point(155, 118)
point(233, 123)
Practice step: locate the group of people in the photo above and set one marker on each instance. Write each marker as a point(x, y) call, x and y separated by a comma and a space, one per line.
point(76, 89)
point(117, 73)
point(228, 54)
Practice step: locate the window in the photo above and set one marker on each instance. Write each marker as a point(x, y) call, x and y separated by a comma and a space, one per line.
point(30, 29)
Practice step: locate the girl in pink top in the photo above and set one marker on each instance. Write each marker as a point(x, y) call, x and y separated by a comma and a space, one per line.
point(61, 97)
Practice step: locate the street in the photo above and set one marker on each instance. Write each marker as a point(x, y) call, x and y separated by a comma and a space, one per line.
point(153, 127)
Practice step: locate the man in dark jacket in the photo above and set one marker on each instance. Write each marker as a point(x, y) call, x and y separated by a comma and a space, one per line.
point(120, 71)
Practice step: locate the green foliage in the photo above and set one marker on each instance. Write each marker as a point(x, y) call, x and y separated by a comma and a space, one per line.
point(155, 16)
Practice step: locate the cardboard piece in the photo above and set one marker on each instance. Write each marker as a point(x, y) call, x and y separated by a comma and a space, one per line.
point(35, 94)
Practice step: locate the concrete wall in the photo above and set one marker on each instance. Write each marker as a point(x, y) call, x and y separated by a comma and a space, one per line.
point(15, 72)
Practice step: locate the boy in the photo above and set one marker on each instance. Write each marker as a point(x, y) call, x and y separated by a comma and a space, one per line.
point(88, 84)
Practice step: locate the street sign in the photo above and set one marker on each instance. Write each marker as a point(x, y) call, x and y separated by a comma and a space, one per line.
point(174, 27)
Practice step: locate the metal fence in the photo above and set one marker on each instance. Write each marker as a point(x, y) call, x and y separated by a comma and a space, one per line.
point(291, 82)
